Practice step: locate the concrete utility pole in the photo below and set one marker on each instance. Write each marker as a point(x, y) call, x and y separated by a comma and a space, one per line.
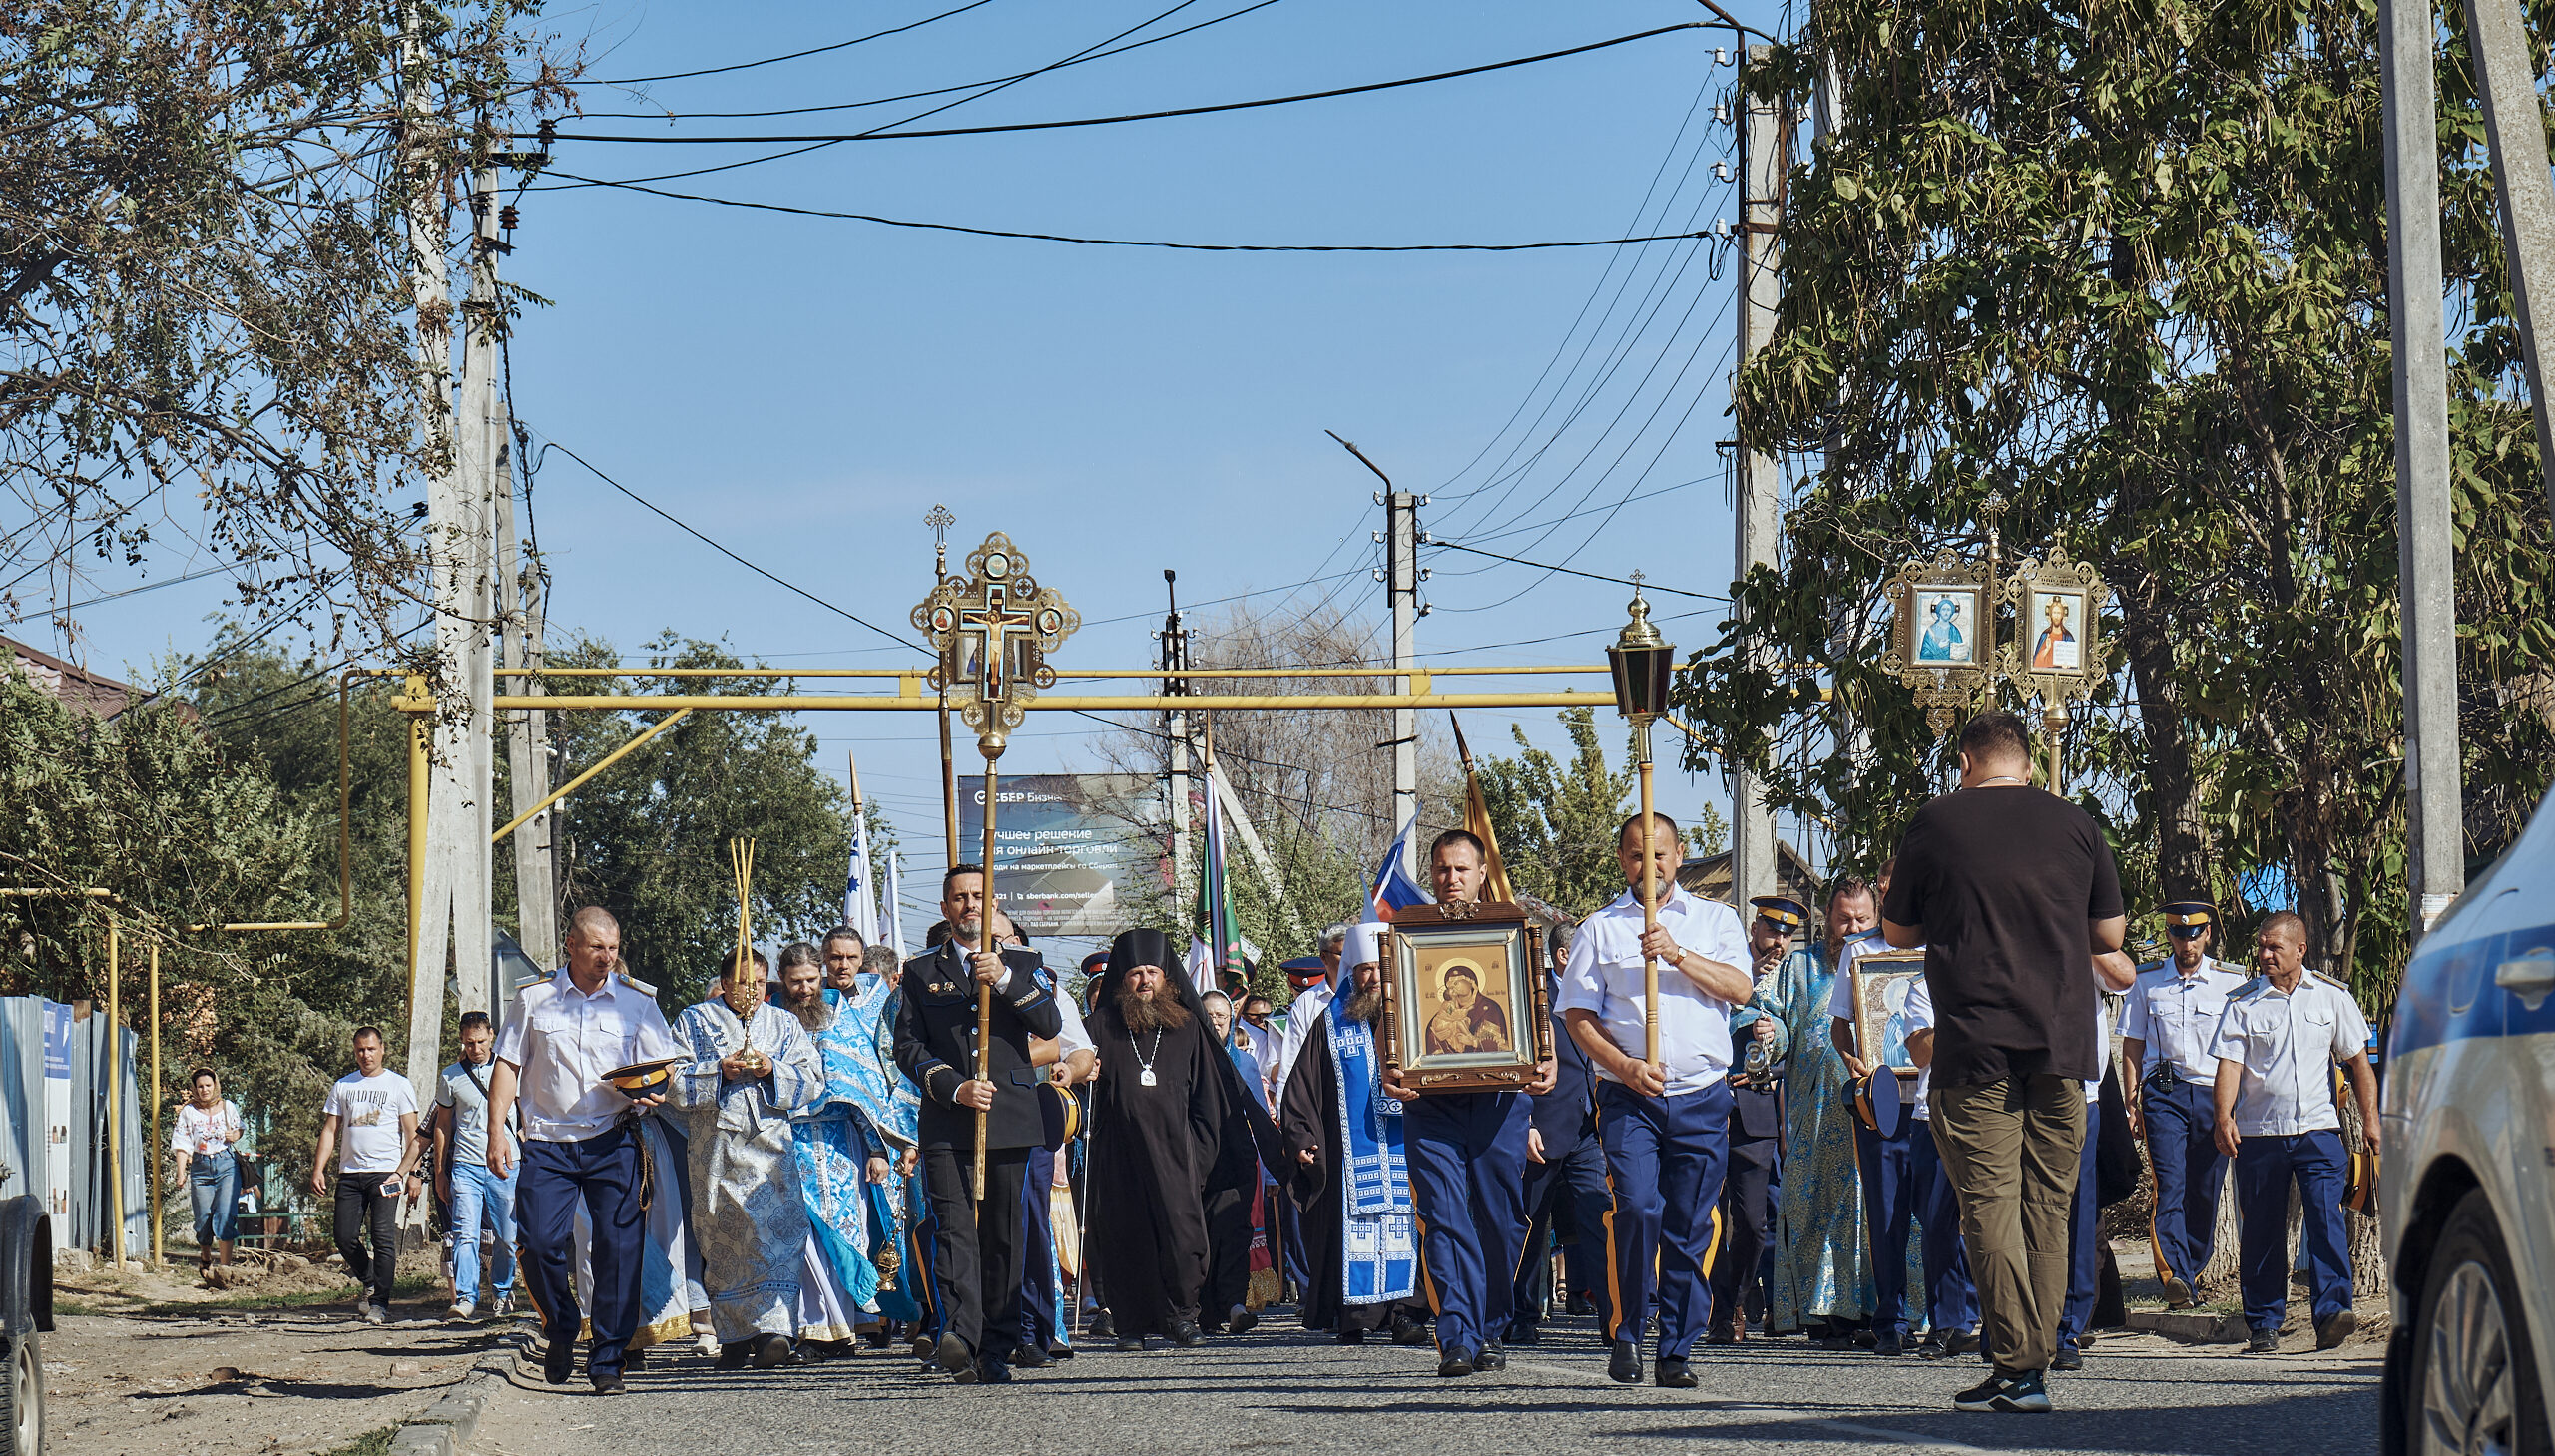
point(1402, 593)
point(461, 530)
point(519, 608)
point(1764, 158)
point(2435, 857)
point(1174, 656)
point(2506, 84)
point(453, 533)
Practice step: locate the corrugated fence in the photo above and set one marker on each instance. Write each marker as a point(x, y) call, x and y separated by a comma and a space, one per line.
point(52, 1076)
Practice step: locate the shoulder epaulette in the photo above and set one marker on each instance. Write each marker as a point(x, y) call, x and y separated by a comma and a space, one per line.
point(2258, 983)
point(642, 987)
point(2341, 985)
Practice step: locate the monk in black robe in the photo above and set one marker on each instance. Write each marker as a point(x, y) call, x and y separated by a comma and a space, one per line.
point(1158, 1114)
point(1309, 1120)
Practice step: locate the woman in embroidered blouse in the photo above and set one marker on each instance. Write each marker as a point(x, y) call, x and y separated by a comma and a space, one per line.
point(207, 1126)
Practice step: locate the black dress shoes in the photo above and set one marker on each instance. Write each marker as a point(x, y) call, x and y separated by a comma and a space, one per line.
point(1674, 1375)
point(1492, 1357)
point(1625, 1366)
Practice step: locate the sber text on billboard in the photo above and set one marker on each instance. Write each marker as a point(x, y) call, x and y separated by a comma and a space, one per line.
point(1069, 848)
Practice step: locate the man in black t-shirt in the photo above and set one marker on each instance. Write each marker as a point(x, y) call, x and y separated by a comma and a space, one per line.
point(2012, 893)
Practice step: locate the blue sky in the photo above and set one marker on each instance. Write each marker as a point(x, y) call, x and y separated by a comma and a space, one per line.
point(805, 389)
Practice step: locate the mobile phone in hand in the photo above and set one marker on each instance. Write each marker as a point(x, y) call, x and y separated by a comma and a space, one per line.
point(390, 1187)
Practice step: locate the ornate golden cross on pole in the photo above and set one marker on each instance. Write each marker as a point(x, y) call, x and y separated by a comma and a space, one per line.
point(992, 629)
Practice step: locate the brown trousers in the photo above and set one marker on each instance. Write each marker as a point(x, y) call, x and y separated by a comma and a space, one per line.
point(2011, 1147)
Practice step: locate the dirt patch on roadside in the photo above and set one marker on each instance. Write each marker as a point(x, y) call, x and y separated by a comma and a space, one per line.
point(156, 1363)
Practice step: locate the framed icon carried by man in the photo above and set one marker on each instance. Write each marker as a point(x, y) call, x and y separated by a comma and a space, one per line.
point(1465, 1007)
point(1882, 980)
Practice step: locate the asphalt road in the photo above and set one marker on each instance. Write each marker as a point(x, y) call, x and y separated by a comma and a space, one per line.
point(1283, 1390)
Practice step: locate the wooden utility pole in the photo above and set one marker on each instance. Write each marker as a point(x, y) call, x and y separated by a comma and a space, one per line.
point(1765, 158)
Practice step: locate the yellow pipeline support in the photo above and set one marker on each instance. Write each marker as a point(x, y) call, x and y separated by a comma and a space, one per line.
point(1055, 702)
point(115, 1124)
point(563, 790)
point(155, 1094)
point(1202, 674)
point(419, 761)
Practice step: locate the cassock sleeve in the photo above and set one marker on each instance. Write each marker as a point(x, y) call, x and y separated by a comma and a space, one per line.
point(1304, 1112)
point(1206, 1112)
point(797, 1078)
point(695, 1084)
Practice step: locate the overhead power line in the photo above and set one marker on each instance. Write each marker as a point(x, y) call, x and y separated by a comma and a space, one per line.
point(798, 54)
point(1572, 571)
point(1149, 116)
point(686, 528)
point(1145, 242)
point(792, 111)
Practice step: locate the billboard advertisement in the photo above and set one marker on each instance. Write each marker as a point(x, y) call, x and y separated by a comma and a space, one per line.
point(1070, 849)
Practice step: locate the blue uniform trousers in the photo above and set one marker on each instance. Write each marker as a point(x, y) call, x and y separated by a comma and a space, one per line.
point(2181, 1145)
point(1663, 1162)
point(1890, 1210)
point(1040, 1297)
point(1579, 1177)
point(602, 1172)
point(2084, 1241)
point(1468, 1154)
point(1951, 1297)
point(2265, 1165)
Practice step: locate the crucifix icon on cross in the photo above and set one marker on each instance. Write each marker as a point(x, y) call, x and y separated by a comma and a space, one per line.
point(992, 628)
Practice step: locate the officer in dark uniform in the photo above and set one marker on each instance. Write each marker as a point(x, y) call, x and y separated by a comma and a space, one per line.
point(1756, 1131)
point(977, 1256)
point(1565, 1182)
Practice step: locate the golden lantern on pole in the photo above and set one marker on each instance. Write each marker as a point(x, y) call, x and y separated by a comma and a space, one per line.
point(1643, 663)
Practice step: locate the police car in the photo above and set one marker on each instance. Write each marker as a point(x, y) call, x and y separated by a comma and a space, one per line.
point(2467, 1203)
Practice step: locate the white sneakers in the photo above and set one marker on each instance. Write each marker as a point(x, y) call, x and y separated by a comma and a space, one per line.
point(463, 1311)
point(368, 1312)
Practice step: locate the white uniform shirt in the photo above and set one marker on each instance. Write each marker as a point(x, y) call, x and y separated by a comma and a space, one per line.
point(561, 1042)
point(2287, 1046)
point(1302, 1013)
point(1073, 1036)
point(2177, 1017)
point(1604, 977)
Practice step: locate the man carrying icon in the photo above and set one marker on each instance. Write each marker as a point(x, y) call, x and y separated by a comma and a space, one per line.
point(1468, 1151)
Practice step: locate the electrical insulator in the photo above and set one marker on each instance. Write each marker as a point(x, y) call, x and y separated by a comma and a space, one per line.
point(507, 218)
point(1721, 171)
point(1720, 110)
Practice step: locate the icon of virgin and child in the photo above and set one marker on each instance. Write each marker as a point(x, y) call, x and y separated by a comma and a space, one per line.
point(1465, 1020)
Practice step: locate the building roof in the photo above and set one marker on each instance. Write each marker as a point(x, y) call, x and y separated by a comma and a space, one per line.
point(92, 692)
point(1710, 877)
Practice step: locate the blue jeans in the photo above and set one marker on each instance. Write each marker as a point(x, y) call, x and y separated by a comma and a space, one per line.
point(213, 1181)
point(477, 1192)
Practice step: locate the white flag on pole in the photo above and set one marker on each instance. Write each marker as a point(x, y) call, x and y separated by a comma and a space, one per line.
point(859, 897)
point(896, 903)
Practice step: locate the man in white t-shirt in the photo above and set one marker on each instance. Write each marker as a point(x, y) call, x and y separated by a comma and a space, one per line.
point(374, 1111)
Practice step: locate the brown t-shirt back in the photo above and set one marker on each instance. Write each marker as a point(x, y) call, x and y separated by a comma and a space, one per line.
point(2006, 883)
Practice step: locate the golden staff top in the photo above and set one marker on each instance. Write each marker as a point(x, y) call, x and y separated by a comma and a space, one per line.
point(992, 628)
point(741, 859)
